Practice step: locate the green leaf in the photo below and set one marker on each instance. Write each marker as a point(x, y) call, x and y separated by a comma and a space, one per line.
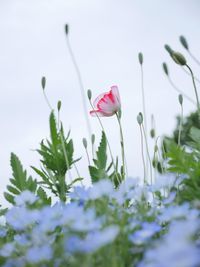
point(96, 174)
point(43, 196)
point(53, 131)
point(195, 134)
point(9, 198)
point(101, 152)
point(19, 174)
point(13, 190)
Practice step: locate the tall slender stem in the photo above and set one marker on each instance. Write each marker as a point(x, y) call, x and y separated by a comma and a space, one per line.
point(81, 87)
point(180, 91)
point(122, 145)
point(144, 110)
point(147, 149)
point(180, 127)
point(195, 88)
point(194, 58)
point(109, 147)
point(142, 151)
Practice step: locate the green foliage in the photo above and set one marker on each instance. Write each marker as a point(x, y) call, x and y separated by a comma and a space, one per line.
point(20, 181)
point(100, 170)
point(57, 159)
point(185, 162)
point(193, 120)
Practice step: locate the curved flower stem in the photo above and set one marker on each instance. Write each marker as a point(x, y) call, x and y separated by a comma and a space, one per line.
point(147, 149)
point(193, 57)
point(81, 86)
point(180, 127)
point(195, 88)
point(142, 150)
point(180, 91)
point(109, 148)
point(122, 146)
point(144, 111)
point(188, 73)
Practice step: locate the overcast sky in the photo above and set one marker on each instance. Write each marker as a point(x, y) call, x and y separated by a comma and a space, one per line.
point(106, 36)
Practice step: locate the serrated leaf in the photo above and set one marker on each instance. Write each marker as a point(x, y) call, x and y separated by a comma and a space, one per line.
point(96, 174)
point(13, 190)
point(43, 196)
point(195, 134)
point(101, 153)
point(18, 173)
point(9, 198)
point(53, 130)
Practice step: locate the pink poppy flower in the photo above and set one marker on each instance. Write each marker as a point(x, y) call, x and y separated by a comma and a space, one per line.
point(107, 104)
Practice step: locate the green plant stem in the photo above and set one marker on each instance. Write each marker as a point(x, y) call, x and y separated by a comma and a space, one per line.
point(109, 147)
point(180, 91)
point(144, 110)
point(88, 158)
point(147, 149)
point(81, 87)
point(66, 157)
point(142, 151)
point(195, 88)
point(47, 100)
point(193, 57)
point(122, 145)
point(188, 73)
point(180, 127)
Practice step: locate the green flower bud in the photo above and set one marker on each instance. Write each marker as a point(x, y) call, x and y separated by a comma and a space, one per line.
point(84, 142)
point(140, 57)
point(179, 58)
point(155, 148)
point(165, 68)
point(140, 118)
point(59, 105)
point(184, 42)
point(89, 94)
point(43, 82)
point(169, 50)
point(152, 133)
point(66, 29)
point(93, 138)
point(180, 99)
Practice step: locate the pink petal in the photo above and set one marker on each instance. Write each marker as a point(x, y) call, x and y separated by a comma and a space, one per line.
point(95, 113)
point(95, 103)
point(115, 93)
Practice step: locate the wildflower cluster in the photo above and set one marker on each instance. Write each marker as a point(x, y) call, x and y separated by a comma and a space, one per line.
point(117, 221)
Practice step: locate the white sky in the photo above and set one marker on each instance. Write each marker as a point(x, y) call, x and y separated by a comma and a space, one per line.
point(106, 36)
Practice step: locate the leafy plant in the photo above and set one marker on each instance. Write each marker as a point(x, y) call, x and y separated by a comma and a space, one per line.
point(101, 169)
point(57, 160)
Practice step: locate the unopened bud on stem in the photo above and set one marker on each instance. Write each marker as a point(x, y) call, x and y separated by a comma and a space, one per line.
point(59, 105)
point(140, 118)
point(165, 68)
point(93, 138)
point(179, 58)
point(66, 29)
point(180, 99)
point(43, 82)
point(89, 94)
point(169, 50)
point(85, 143)
point(140, 57)
point(184, 42)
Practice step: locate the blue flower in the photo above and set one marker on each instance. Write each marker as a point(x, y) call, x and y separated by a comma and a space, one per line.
point(148, 230)
point(26, 197)
point(36, 255)
point(92, 241)
point(20, 217)
point(100, 189)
